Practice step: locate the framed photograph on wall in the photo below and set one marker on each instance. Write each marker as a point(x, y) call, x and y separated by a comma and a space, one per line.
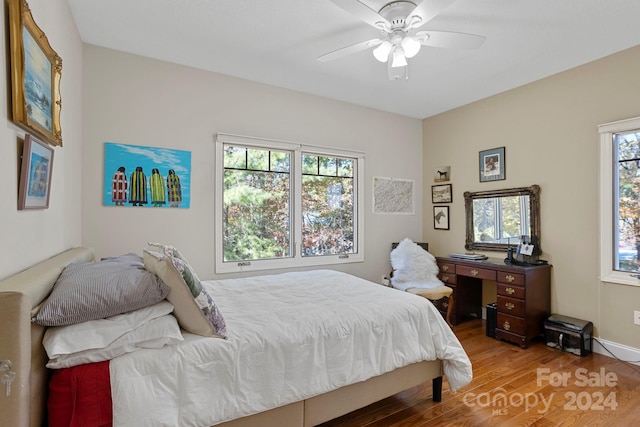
point(492, 165)
point(441, 217)
point(442, 173)
point(441, 193)
point(35, 76)
point(35, 174)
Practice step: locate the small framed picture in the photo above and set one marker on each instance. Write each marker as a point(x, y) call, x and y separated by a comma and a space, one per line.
point(35, 174)
point(441, 217)
point(441, 193)
point(442, 173)
point(492, 165)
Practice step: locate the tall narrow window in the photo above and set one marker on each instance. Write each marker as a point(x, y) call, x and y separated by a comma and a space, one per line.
point(256, 204)
point(327, 205)
point(627, 184)
point(281, 205)
point(620, 202)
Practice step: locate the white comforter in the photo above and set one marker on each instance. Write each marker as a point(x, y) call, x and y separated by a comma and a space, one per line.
point(290, 336)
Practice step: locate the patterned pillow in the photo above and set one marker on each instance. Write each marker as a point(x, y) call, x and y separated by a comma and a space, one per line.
point(193, 306)
point(95, 290)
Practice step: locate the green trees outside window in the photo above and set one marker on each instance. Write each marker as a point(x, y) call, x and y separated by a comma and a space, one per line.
point(259, 199)
point(627, 147)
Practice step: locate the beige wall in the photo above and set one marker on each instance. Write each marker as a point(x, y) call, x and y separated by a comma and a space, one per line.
point(549, 129)
point(134, 100)
point(30, 236)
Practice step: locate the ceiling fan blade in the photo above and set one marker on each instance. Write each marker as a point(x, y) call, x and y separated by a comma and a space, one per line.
point(348, 50)
point(364, 13)
point(448, 39)
point(426, 11)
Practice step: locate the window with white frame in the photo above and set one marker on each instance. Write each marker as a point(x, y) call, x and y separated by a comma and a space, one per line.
point(620, 202)
point(281, 204)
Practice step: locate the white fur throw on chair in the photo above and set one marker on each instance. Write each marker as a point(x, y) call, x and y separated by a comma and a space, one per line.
point(413, 267)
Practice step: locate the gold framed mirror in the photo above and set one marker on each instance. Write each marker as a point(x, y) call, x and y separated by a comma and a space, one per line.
point(497, 219)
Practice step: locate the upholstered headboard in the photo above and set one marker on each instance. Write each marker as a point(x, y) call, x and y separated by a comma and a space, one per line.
point(21, 341)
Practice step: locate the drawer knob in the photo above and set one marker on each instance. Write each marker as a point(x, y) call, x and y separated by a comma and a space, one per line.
point(509, 305)
point(474, 273)
point(445, 279)
point(510, 291)
point(445, 268)
point(506, 325)
point(445, 304)
point(510, 278)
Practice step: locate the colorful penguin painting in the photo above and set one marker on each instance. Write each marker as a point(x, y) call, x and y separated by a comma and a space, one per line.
point(156, 184)
point(119, 187)
point(161, 177)
point(138, 191)
point(174, 189)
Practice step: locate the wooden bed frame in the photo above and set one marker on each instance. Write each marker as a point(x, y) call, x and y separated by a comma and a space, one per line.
point(21, 342)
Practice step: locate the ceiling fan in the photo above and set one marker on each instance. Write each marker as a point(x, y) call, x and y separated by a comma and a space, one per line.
point(398, 22)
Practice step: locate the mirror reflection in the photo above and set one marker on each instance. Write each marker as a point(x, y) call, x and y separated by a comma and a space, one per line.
point(499, 218)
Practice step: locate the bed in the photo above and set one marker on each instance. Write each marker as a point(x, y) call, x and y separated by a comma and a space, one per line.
point(295, 400)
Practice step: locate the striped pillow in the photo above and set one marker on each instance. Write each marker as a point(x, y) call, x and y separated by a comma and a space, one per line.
point(91, 291)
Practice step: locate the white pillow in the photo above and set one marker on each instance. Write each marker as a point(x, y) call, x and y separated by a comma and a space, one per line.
point(104, 339)
point(413, 267)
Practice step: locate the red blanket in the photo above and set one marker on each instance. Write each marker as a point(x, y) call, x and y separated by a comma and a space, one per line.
point(80, 396)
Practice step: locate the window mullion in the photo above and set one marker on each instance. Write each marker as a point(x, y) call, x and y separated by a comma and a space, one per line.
point(296, 204)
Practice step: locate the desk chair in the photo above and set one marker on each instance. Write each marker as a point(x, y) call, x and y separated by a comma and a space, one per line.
point(419, 266)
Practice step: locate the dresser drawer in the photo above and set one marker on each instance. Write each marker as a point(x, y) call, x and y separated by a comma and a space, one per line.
point(446, 267)
point(511, 306)
point(511, 278)
point(447, 279)
point(510, 291)
point(477, 272)
point(515, 325)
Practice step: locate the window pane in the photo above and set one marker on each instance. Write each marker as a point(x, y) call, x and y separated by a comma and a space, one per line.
point(327, 215)
point(345, 167)
point(256, 210)
point(235, 157)
point(484, 220)
point(258, 159)
point(628, 202)
point(511, 219)
point(309, 164)
point(280, 161)
point(328, 166)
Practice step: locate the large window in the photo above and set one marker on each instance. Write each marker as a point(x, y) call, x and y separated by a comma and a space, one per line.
point(280, 204)
point(620, 201)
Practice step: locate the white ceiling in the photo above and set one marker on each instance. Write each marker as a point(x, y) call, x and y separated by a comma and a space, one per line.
point(277, 42)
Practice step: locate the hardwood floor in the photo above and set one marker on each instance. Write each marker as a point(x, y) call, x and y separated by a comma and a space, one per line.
point(539, 386)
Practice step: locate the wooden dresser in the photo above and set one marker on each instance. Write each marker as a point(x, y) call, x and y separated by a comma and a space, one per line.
point(523, 295)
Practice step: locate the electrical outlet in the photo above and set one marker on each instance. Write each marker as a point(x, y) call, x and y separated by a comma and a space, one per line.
point(636, 317)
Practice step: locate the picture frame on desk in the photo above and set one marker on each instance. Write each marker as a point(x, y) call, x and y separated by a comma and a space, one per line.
point(441, 217)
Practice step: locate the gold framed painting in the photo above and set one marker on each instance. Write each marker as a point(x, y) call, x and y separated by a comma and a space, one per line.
point(36, 70)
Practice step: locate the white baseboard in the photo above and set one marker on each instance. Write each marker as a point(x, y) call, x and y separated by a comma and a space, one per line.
point(620, 351)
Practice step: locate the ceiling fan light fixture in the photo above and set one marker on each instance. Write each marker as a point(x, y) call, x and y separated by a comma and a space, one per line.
point(398, 73)
point(411, 46)
point(381, 53)
point(398, 57)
